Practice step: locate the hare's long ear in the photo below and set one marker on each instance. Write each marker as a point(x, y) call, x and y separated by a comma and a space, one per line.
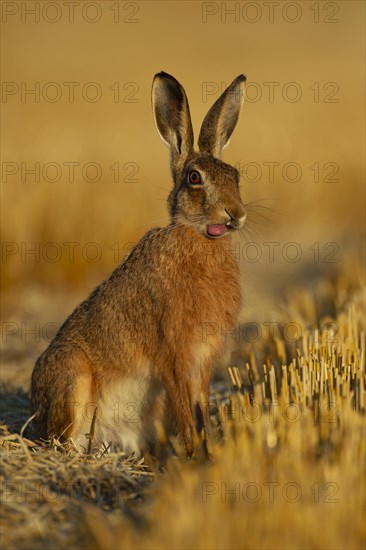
point(172, 117)
point(221, 119)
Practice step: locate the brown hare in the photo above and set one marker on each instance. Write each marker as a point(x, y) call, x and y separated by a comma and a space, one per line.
point(135, 350)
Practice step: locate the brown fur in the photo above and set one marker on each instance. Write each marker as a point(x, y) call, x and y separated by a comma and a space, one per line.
point(147, 320)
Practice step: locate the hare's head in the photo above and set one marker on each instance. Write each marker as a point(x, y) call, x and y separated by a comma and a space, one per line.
point(206, 190)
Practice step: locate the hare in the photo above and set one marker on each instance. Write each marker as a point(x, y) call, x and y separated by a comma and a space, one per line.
point(135, 352)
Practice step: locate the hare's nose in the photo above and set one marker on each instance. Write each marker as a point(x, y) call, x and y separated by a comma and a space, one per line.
point(237, 217)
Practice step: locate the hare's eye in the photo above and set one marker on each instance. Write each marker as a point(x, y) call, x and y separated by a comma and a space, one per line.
point(194, 177)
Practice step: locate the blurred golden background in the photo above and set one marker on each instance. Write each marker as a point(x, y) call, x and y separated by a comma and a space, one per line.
point(299, 142)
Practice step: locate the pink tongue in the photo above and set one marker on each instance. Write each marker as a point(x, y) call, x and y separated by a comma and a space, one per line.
point(216, 229)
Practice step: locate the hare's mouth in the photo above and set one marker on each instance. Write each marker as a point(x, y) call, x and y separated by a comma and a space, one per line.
point(217, 229)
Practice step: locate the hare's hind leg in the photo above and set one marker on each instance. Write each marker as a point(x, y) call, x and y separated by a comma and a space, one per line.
point(62, 394)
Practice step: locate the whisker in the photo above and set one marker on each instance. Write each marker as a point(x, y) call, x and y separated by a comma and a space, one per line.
point(257, 207)
point(256, 222)
point(262, 219)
